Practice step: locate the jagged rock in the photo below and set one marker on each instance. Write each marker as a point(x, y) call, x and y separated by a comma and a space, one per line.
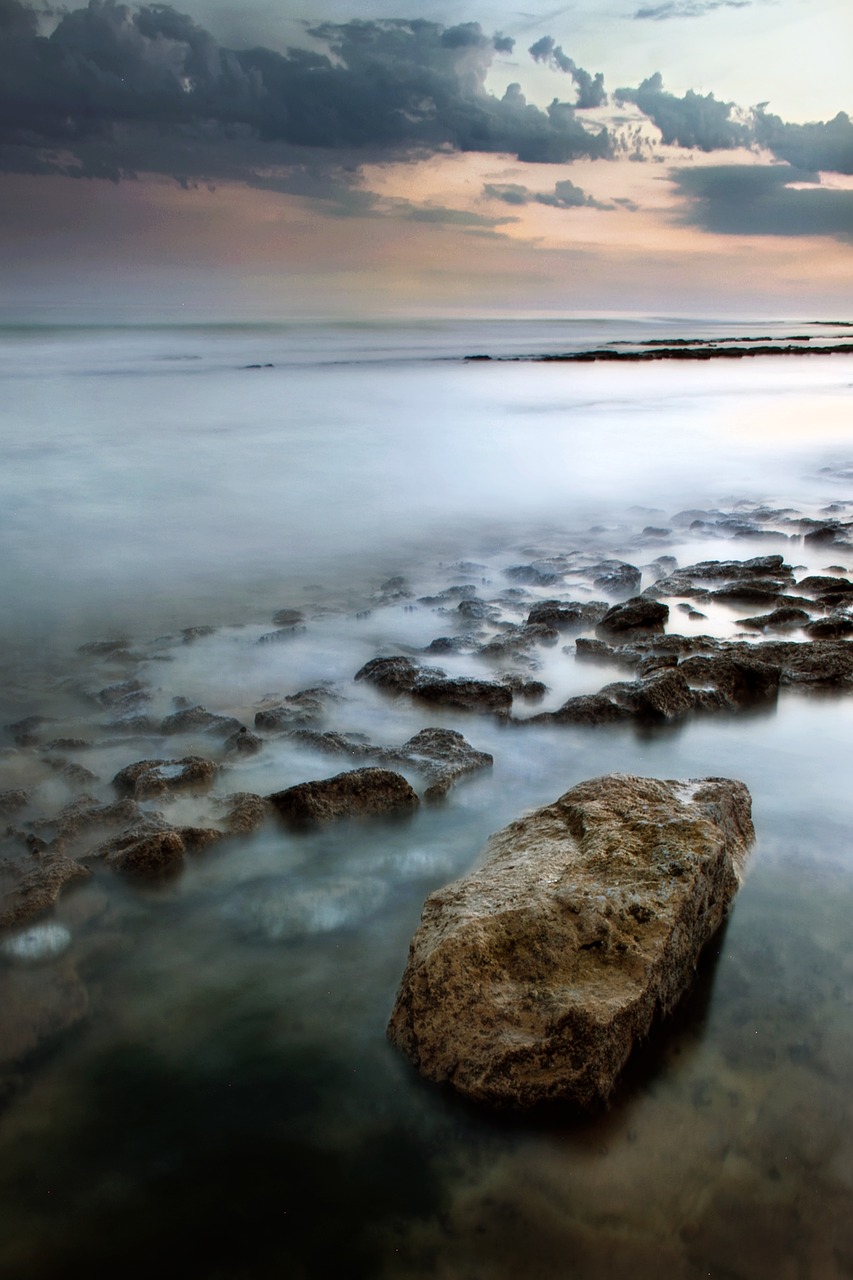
point(737, 570)
point(617, 578)
point(586, 708)
point(189, 635)
point(200, 720)
point(523, 687)
point(126, 693)
point(38, 889)
point(819, 585)
point(153, 850)
point(243, 742)
point(398, 674)
point(750, 589)
point(84, 813)
point(739, 682)
point(572, 616)
point(476, 610)
point(533, 977)
point(361, 792)
point(665, 696)
point(637, 614)
point(283, 633)
point(154, 777)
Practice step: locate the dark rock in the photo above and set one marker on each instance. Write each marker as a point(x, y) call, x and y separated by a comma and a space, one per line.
point(398, 674)
point(356, 746)
point(517, 639)
point(617, 578)
point(819, 585)
point(778, 620)
point(465, 694)
point(243, 742)
point(522, 687)
point(664, 696)
point(200, 720)
point(125, 693)
point(476, 610)
point(750, 589)
point(741, 683)
point(824, 533)
point(359, 793)
point(636, 614)
point(283, 633)
point(598, 651)
point(533, 977)
point(154, 777)
point(25, 732)
point(587, 708)
point(837, 624)
point(566, 616)
point(190, 634)
point(739, 570)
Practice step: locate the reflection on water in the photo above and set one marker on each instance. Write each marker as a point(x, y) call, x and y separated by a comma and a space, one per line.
point(224, 1098)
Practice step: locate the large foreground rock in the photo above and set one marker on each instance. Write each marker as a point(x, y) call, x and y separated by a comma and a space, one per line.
point(532, 978)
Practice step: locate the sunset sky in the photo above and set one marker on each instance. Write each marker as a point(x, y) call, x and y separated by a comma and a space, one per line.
point(220, 162)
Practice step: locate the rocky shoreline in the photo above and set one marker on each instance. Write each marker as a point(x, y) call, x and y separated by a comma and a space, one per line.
point(500, 631)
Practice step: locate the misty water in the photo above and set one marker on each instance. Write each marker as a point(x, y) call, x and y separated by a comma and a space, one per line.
point(227, 1100)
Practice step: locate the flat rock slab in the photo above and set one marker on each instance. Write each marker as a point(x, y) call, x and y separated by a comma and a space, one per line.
point(532, 978)
point(357, 793)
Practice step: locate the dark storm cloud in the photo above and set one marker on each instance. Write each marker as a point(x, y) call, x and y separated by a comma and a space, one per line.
point(564, 196)
point(748, 200)
point(113, 90)
point(696, 120)
point(822, 146)
point(688, 8)
point(590, 88)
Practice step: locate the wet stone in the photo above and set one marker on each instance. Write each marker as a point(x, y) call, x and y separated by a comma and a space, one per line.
point(154, 777)
point(359, 793)
point(199, 720)
point(637, 614)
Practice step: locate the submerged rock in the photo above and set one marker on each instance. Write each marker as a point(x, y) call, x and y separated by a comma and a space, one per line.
point(637, 614)
point(38, 889)
point(431, 684)
point(617, 578)
point(357, 793)
point(200, 720)
point(532, 978)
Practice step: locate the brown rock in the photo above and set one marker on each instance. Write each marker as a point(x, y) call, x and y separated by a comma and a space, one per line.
point(153, 777)
point(532, 978)
point(150, 853)
point(38, 890)
point(246, 812)
point(638, 614)
point(360, 792)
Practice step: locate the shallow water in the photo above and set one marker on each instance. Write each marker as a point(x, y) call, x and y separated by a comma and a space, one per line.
point(230, 1101)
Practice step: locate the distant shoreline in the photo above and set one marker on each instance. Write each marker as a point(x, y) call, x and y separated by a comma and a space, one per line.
point(679, 349)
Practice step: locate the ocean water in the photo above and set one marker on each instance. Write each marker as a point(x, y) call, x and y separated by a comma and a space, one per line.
point(229, 1101)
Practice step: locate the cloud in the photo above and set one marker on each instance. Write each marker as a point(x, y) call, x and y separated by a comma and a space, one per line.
point(564, 196)
point(688, 8)
point(696, 120)
point(749, 200)
point(590, 88)
point(826, 146)
point(114, 90)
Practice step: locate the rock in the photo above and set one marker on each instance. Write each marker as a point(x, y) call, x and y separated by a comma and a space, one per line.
point(283, 633)
point(358, 793)
point(288, 618)
point(837, 624)
point(569, 616)
point(637, 614)
point(779, 620)
point(12, 801)
point(149, 853)
point(532, 978)
point(664, 696)
point(126, 693)
point(189, 635)
point(739, 681)
point(246, 812)
point(617, 578)
point(300, 708)
point(532, 575)
point(523, 687)
point(739, 570)
point(476, 610)
point(431, 684)
point(819, 585)
point(465, 694)
point(397, 674)
point(200, 720)
point(750, 589)
point(586, 708)
point(243, 742)
point(25, 732)
point(518, 639)
point(154, 777)
point(444, 756)
point(38, 889)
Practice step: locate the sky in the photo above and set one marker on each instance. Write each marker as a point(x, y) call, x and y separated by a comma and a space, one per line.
point(268, 161)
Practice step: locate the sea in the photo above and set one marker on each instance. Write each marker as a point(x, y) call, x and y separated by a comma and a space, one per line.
point(202, 1081)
